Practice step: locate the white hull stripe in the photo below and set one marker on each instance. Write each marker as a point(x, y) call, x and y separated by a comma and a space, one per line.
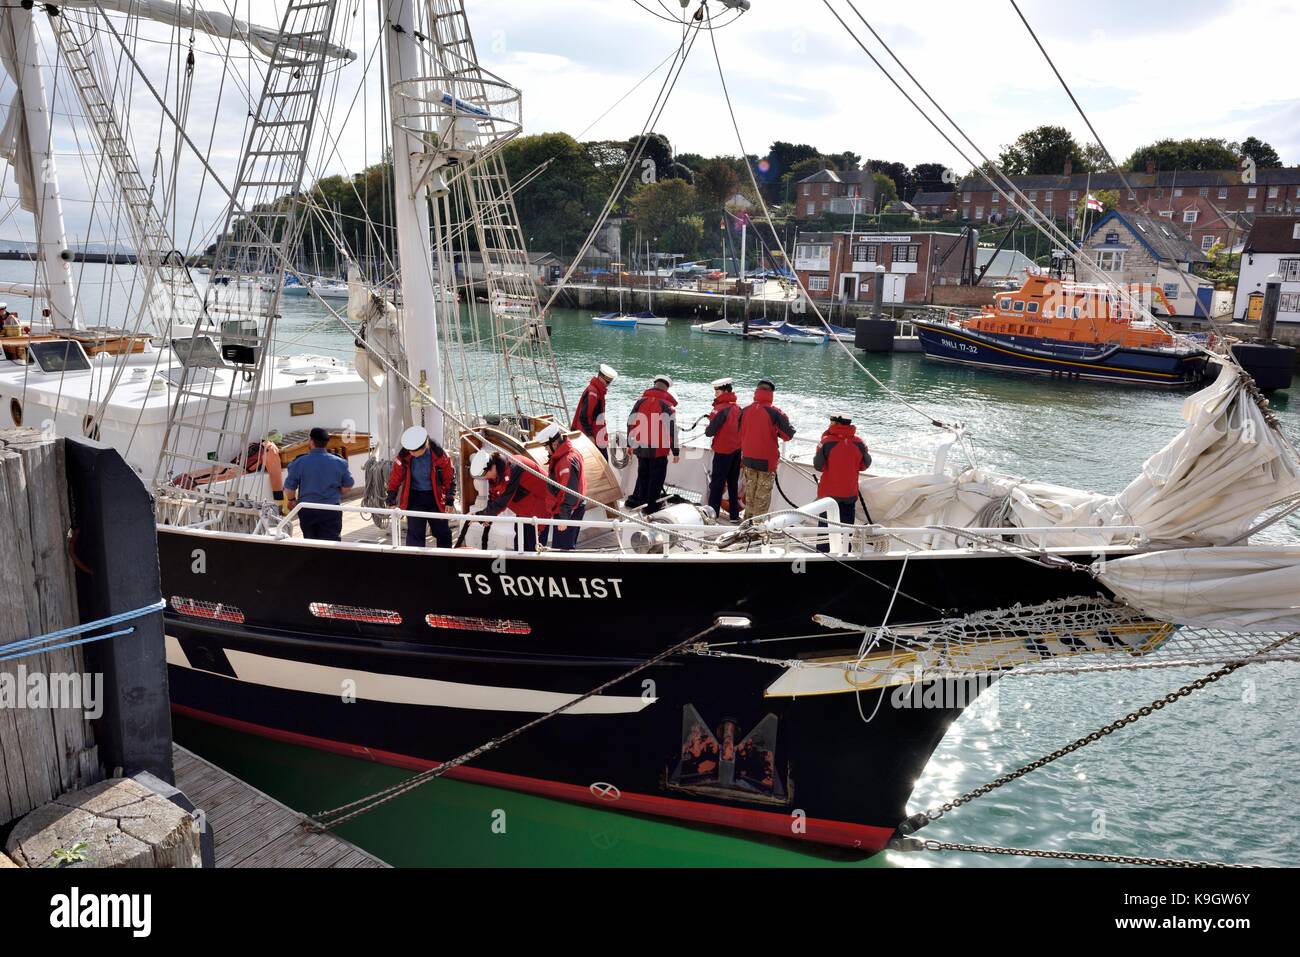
point(400, 689)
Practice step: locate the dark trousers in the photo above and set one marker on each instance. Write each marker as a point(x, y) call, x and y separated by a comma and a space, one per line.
point(726, 472)
point(320, 525)
point(848, 515)
point(529, 533)
point(417, 529)
point(567, 540)
point(651, 474)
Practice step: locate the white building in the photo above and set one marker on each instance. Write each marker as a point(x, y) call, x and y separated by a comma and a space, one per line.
point(1272, 247)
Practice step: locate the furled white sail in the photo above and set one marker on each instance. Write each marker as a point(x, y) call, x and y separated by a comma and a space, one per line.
point(1236, 589)
point(188, 15)
point(14, 146)
point(1205, 487)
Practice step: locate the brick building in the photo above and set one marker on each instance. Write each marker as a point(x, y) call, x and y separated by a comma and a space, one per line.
point(827, 191)
point(935, 205)
point(842, 266)
point(1214, 207)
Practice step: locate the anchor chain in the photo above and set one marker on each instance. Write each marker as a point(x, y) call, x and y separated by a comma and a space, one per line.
point(912, 844)
point(918, 821)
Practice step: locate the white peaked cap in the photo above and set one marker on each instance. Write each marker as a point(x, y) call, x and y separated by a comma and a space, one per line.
point(552, 431)
point(844, 417)
point(479, 462)
point(609, 372)
point(664, 378)
point(724, 383)
point(413, 439)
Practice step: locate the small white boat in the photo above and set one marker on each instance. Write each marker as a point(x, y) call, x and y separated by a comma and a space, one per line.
point(719, 327)
point(795, 335)
point(615, 320)
point(648, 319)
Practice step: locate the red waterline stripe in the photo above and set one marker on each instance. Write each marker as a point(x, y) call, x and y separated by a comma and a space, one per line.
point(864, 837)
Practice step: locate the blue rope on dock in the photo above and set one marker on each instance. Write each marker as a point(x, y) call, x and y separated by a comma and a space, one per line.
point(29, 646)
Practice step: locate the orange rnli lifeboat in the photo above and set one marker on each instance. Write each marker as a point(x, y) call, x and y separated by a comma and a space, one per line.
point(1066, 330)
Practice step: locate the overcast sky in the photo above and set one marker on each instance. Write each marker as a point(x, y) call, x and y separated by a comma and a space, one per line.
point(1143, 71)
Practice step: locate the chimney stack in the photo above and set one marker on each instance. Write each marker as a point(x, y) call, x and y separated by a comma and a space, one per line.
point(1151, 166)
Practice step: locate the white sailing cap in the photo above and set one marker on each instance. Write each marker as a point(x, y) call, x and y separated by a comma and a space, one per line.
point(413, 439)
point(724, 383)
point(609, 372)
point(479, 462)
point(844, 417)
point(667, 380)
point(550, 433)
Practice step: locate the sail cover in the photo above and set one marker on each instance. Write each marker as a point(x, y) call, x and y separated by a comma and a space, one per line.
point(14, 146)
point(1235, 589)
point(190, 16)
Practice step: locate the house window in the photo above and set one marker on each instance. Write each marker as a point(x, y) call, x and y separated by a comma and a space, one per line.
point(1295, 231)
point(908, 254)
point(1167, 213)
point(1074, 195)
point(965, 197)
point(1289, 270)
point(819, 283)
point(1033, 195)
point(1178, 194)
point(965, 212)
point(1205, 191)
point(1290, 302)
point(1132, 194)
point(979, 212)
point(1250, 208)
point(1252, 192)
point(1189, 215)
point(865, 253)
point(1047, 196)
point(826, 189)
point(1207, 241)
point(1110, 260)
point(1223, 192)
point(1272, 192)
point(997, 198)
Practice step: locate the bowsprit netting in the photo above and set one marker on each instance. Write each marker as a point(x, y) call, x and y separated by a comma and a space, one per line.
point(1069, 636)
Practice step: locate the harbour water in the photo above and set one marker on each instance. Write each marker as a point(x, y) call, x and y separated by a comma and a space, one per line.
point(1214, 776)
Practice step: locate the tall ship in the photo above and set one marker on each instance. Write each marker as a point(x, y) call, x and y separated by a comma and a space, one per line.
point(1057, 327)
point(783, 700)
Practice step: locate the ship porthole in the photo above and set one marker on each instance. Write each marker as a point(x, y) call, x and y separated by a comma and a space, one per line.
point(90, 428)
point(16, 411)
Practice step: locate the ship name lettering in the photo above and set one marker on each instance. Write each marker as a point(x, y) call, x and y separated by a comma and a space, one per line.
point(543, 586)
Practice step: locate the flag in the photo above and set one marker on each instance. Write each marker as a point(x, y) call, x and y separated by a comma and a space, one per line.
point(1094, 204)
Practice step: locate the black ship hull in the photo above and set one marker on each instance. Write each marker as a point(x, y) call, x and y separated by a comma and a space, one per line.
point(482, 648)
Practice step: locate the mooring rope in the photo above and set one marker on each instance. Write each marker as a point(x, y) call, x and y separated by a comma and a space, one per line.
point(31, 646)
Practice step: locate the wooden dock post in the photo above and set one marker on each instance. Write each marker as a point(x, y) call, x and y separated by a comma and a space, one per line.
point(44, 751)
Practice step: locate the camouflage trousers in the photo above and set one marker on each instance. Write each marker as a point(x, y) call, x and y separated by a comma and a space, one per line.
point(758, 491)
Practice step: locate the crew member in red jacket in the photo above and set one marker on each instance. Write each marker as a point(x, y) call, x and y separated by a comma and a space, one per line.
point(422, 480)
point(652, 436)
point(568, 503)
point(841, 458)
point(518, 484)
point(724, 430)
point(589, 416)
point(761, 425)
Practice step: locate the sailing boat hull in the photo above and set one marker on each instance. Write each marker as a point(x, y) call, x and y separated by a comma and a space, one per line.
point(693, 738)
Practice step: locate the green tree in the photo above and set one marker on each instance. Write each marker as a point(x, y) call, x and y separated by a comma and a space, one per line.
point(718, 179)
point(930, 178)
point(668, 212)
point(557, 209)
point(899, 173)
point(886, 189)
point(1186, 154)
point(1043, 150)
point(1265, 156)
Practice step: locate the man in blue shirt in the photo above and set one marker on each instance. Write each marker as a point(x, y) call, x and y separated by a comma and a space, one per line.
point(319, 478)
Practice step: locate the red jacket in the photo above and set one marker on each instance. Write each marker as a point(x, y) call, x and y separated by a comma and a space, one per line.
point(841, 458)
point(652, 426)
point(525, 491)
point(761, 424)
point(442, 474)
point(724, 424)
point(566, 468)
point(589, 416)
